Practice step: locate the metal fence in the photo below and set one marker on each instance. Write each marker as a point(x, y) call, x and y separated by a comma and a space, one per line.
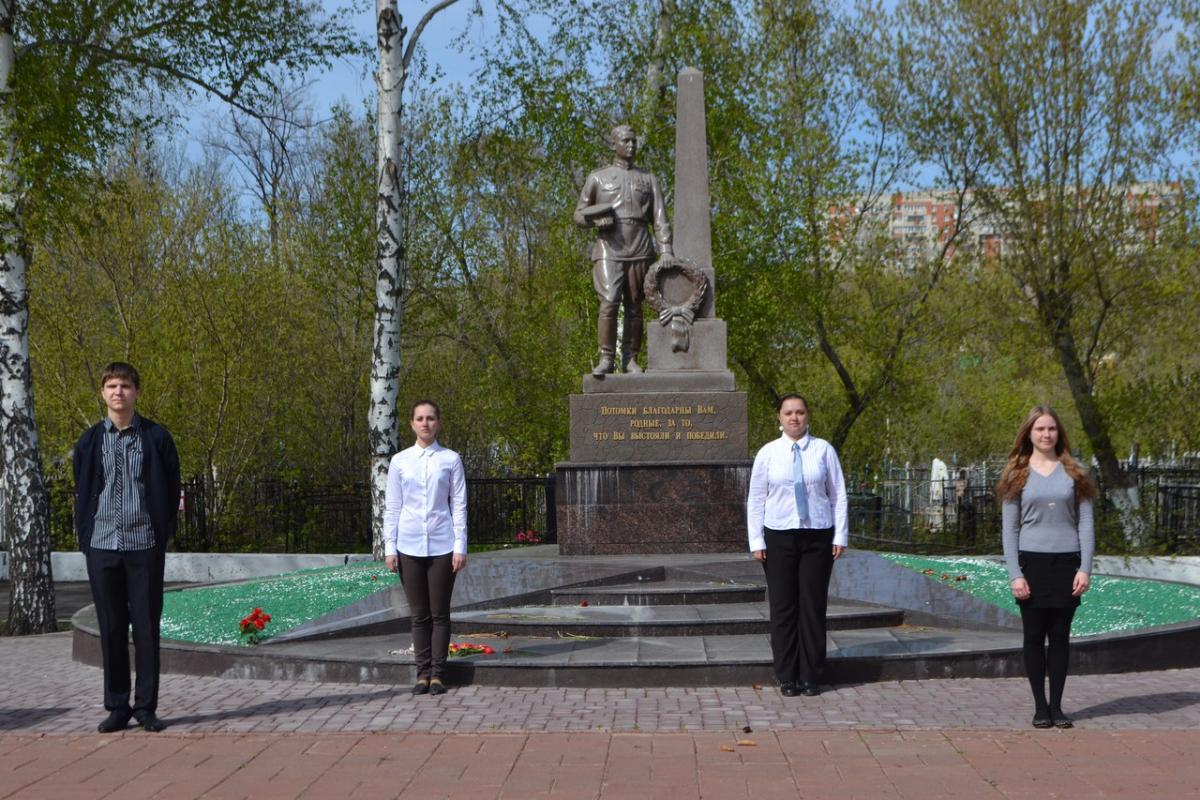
point(270, 515)
point(905, 508)
point(284, 516)
point(897, 507)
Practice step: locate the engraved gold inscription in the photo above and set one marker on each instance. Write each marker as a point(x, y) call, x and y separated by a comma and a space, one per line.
point(606, 411)
point(658, 423)
point(661, 410)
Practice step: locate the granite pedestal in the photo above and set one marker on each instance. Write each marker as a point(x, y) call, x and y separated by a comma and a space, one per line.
point(624, 508)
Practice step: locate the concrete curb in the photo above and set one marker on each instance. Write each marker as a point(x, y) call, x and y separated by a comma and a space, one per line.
point(205, 567)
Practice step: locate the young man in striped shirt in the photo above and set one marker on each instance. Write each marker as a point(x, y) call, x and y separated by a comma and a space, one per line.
point(126, 501)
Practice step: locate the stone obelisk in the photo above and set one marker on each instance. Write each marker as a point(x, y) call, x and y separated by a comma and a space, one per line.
point(658, 459)
point(705, 358)
point(693, 219)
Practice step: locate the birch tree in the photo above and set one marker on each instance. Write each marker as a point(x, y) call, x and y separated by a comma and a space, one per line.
point(74, 78)
point(27, 515)
point(391, 262)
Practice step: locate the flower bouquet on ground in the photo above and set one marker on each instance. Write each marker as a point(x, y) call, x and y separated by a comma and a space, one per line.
point(528, 537)
point(468, 649)
point(252, 626)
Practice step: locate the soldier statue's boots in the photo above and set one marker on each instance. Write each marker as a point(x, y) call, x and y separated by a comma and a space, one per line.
point(605, 366)
point(606, 335)
point(631, 342)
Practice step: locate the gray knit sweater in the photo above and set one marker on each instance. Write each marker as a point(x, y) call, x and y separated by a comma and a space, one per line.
point(1047, 519)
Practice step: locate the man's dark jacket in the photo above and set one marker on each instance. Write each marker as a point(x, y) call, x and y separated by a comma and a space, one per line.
point(160, 477)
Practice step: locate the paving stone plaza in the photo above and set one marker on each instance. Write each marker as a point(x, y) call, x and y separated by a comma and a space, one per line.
point(1136, 735)
point(1137, 732)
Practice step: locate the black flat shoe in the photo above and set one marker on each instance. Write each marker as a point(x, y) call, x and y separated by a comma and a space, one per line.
point(437, 687)
point(789, 690)
point(1041, 719)
point(116, 721)
point(810, 689)
point(421, 687)
point(1061, 720)
point(149, 722)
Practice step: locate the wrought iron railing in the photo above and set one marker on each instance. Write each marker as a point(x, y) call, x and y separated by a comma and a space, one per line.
point(900, 509)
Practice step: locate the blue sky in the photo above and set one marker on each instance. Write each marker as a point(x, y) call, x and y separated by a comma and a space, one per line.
point(350, 82)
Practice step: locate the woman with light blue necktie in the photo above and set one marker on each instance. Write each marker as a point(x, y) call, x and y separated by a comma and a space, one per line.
point(798, 526)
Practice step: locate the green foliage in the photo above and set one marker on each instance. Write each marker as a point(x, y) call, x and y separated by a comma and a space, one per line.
point(87, 74)
point(1065, 112)
point(258, 359)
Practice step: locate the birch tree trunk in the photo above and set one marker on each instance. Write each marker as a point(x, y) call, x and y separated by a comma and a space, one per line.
point(391, 263)
point(652, 91)
point(27, 521)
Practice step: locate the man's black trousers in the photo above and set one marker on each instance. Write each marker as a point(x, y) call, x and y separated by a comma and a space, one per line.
point(127, 587)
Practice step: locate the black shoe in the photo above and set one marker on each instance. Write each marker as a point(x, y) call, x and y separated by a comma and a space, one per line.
point(809, 689)
point(421, 687)
point(149, 722)
point(437, 687)
point(789, 689)
point(1061, 720)
point(117, 720)
point(1041, 719)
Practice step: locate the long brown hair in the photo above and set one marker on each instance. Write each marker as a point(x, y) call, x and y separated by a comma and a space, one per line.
point(1016, 471)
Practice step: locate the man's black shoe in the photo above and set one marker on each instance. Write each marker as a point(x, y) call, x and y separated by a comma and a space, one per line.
point(789, 690)
point(810, 689)
point(149, 722)
point(117, 720)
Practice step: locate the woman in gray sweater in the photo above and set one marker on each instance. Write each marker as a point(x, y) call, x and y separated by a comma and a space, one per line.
point(1048, 545)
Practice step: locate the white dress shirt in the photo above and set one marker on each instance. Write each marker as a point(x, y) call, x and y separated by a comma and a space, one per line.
point(772, 498)
point(425, 505)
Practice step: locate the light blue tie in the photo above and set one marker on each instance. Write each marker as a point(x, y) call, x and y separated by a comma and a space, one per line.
point(798, 482)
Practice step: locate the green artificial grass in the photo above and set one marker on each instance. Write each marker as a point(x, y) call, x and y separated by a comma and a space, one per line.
point(211, 614)
point(1113, 604)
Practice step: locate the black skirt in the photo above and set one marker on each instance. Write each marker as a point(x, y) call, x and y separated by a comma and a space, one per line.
point(1051, 578)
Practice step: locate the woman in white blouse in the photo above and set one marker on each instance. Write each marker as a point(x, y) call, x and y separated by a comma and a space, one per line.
point(797, 523)
point(425, 539)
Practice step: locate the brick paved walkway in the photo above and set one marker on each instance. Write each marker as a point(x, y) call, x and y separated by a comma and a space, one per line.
point(1137, 735)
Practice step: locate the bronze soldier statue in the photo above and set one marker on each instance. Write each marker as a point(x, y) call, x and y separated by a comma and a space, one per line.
point(622, 202)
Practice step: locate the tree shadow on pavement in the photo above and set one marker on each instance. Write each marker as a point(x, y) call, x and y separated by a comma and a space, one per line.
point(1139, 704)
point(285, 706)
point(15, 719)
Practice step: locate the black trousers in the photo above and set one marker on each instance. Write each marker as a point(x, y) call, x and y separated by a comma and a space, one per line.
point(428, 583)
point(127, 587)
point(798, 567)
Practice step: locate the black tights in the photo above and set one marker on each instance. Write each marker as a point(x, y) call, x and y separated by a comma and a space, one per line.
point(1042, 626)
